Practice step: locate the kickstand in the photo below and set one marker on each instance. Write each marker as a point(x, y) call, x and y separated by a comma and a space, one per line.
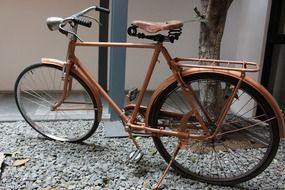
point(175, 152)
point(134, 140)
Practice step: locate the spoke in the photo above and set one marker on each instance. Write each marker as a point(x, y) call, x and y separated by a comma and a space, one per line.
point(234, 159)
point(37, 89)
point(241, 116)
point(244, 105)
point(244, 157)
point(182, 100)
point(243, 128)
point(238, 97)
point(176, 105)
point(61, 81)
point(247, 111)
point(39, 97)
point(44, 79)
point(219, 159)
point(237, 121)
point(200, 155)
point(29, 100)
point(38, 92)
point(40, 80)
point(52, 78)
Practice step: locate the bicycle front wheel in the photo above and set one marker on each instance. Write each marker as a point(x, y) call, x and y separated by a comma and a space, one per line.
point(243, 148)
point(39, 87)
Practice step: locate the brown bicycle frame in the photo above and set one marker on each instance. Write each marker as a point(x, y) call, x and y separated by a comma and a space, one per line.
point(75, 65)
point(158, 49)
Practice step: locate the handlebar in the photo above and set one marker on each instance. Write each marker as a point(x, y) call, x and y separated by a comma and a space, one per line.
point(102, 9)
point(56, 23)
point(85, 11)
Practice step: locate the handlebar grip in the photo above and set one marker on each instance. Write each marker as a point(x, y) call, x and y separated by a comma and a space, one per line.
point(82, 22)
point(102, 9)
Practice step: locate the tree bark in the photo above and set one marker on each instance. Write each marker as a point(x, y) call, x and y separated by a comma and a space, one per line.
point(211, 33)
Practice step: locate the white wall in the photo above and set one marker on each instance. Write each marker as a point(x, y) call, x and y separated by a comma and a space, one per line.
point(24, 37)
point(252, 24)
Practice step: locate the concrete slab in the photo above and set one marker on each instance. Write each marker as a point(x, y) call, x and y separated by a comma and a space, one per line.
point(114, 129)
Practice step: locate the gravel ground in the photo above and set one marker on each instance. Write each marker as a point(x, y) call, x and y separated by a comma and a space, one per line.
point(99, 163)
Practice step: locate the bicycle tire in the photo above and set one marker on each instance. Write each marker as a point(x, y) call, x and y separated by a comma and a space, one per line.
point(234, 157)
point(39, 87)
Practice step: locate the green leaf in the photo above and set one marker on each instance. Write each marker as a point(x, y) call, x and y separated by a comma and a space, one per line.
point(138, 138)
point(153, 151)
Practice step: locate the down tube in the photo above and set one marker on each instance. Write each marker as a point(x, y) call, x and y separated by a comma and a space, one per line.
point(105, 95)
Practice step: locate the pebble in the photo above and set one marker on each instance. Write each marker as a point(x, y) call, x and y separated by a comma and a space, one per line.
point(101, 163)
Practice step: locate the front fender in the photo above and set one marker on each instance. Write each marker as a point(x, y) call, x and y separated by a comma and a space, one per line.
point(94, 90)
point(52, 61)
point(234, 74)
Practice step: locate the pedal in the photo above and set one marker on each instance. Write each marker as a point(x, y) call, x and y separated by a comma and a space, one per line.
point(132, 94)
point(135, 156)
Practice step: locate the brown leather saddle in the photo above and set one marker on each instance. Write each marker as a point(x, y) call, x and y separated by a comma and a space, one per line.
point(154, 27)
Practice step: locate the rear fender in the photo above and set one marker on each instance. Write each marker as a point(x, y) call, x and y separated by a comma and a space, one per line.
point(234, 74)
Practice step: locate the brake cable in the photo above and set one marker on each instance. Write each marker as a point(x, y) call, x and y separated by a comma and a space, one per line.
point(67, 31)
point(196, 19)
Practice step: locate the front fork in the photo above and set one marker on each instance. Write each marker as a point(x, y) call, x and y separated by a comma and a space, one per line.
point(67, 85)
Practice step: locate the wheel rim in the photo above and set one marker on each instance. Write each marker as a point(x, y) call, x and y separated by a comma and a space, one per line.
point(231, 158)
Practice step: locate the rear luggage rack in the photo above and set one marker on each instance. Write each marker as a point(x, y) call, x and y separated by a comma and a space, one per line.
point(243, 66)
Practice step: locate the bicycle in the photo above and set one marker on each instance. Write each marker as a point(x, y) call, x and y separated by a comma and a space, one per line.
point(211, 123)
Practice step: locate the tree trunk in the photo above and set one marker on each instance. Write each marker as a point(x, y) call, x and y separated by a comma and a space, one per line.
point(211, 33)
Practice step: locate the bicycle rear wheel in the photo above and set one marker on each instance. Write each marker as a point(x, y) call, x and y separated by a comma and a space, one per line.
point(243, 149)
point(37, 90)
